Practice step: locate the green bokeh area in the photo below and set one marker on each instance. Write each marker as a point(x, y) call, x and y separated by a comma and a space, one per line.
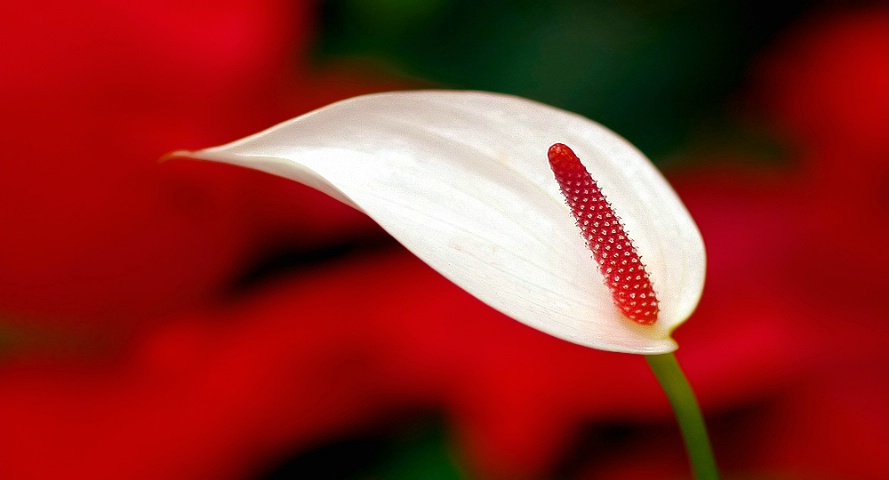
point(655, 72)
point(416, 448)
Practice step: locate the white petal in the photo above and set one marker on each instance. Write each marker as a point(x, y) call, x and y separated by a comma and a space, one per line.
point(462, 180)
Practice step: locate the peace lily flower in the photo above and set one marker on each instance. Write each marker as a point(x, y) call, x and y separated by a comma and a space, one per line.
point(462, 180)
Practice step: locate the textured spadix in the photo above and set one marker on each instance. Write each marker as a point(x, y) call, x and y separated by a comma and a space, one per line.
point(462, 180)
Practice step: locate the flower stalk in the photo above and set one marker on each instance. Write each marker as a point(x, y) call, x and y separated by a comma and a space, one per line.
point(685, 406)
point(457, 178)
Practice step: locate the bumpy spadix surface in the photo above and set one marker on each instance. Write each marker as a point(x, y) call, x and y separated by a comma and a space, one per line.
point(619, 262)
point(461, 179)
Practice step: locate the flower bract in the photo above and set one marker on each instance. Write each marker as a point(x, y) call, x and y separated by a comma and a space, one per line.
point(462, 180)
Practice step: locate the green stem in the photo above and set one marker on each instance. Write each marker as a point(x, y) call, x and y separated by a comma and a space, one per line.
point(688, 414)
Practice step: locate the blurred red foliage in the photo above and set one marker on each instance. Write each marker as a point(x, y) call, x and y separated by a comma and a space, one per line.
point(787, 351)
point(96, 232)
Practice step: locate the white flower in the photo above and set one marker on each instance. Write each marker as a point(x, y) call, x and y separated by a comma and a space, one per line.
point(462, 180)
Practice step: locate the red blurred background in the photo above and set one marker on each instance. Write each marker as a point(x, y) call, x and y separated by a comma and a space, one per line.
point(191, 320)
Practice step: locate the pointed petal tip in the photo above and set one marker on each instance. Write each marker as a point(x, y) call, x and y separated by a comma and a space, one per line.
point(177, 154)
point(169, 156)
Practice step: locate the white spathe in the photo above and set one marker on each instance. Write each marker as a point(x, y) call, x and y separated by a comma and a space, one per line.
point(462, 180)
